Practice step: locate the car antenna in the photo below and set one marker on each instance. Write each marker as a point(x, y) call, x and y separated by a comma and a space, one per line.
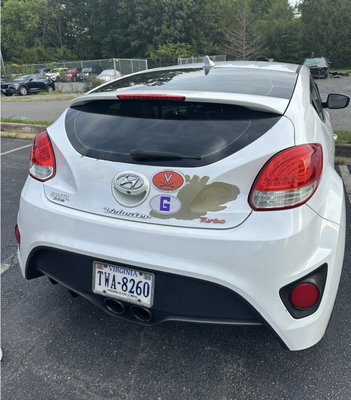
point(208, 64)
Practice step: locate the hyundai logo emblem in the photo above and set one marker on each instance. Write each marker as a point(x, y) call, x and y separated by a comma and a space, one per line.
point(129, 183)
point(130, 188)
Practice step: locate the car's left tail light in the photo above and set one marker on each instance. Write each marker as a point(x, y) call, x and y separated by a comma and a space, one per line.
point(42, 159)
point(288, 179)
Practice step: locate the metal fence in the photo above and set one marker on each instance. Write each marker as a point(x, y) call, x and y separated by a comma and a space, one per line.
point(122, 66)
point(192, 60)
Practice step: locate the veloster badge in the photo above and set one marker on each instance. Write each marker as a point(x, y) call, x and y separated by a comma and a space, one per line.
point(168, 180)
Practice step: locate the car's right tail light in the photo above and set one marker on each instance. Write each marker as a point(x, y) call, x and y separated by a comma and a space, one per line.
point(288, 179)
point(42, 159)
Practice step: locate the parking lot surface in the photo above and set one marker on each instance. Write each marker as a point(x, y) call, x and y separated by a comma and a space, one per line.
point(57, 347)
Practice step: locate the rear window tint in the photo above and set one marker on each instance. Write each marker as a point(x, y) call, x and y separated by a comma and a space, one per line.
point(226, 80)
point(201, 133)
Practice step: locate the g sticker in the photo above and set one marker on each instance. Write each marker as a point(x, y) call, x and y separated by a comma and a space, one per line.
point(165, 204)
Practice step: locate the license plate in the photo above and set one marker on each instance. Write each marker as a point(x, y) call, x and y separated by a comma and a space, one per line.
point(123, 283)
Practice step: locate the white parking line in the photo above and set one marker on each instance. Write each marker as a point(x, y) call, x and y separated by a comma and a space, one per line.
point(346, 177)
point(18, 148)
point(6, 264)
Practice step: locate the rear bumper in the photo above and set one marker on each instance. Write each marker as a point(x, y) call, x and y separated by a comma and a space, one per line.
point(319, 73)
point(251, 262)
point(177, 298)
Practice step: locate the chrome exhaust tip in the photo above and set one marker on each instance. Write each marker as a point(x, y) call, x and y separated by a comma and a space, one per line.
point(115, 306)
point(142, 314)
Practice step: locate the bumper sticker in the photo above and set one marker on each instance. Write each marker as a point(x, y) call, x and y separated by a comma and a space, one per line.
point(197, 198)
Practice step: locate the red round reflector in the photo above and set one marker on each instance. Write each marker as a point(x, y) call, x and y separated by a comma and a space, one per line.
point(304, 295)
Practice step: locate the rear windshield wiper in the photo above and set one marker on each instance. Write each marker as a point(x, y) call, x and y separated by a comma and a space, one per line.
point(150, 155)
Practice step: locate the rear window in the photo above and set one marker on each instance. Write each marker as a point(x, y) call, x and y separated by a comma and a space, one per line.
point(167, 133)
point(315, 61)
point(252, 81)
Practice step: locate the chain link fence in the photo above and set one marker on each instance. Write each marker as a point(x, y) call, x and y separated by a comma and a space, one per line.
point(192, 60)
point(86, 68)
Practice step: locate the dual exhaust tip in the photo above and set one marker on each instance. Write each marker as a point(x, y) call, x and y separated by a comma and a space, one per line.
point(116, 307)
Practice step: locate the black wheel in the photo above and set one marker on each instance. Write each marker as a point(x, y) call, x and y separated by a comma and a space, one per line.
point(8, 94)
point(50, 89)
point(23, 91)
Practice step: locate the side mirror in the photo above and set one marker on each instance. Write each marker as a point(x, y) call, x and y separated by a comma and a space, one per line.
point(336, 101)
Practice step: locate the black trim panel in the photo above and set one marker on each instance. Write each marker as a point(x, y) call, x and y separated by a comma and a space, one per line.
point(176, 297)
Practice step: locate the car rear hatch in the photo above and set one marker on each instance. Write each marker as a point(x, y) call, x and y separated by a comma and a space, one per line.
point(166, 159)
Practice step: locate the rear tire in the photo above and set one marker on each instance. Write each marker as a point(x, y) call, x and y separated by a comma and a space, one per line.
point(50, 89)
point(23, 91)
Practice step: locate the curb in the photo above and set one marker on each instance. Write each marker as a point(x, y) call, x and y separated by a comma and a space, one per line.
point(21, 128)
point(64, 97)
point(18, 135)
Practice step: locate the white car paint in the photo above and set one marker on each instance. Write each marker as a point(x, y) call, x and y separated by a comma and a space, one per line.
point(255, 255)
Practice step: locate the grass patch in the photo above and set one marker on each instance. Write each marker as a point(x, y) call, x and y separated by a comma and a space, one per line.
point(344, 137)
point(26, 121)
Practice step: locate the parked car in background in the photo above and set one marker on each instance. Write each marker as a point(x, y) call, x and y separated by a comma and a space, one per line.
point(89, 72)
point(72, 74)
point(57, 74)
point(108, 75)
point(197, 193)
point(26, 84)
point(41, 71)
point(318, 66)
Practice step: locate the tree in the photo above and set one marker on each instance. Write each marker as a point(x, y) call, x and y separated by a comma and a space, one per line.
point(240, 41)
point(28, 31)
point(281, 33)
point(136, 28)
point(169, 53)
point(327, 29)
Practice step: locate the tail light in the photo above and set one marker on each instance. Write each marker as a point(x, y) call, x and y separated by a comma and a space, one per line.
point(17, 235)
point(288, 179)
point(42, 159)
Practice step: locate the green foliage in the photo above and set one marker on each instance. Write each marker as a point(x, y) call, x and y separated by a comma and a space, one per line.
point(281, 33)
point(92, 83)
point(34, 31)
point(27, 121)
point(169, 53)
point(327, 29)
point(344, 137)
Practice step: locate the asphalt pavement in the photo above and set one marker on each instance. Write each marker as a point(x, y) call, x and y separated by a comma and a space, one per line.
point(61, 348)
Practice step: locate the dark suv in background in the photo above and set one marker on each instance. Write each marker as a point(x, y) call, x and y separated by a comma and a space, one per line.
point(318, 66)
point(26, 84)
point(89, 72)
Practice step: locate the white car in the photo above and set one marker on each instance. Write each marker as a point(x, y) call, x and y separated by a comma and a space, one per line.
point(203, 193)
point(57, 74)
point(108, 75)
